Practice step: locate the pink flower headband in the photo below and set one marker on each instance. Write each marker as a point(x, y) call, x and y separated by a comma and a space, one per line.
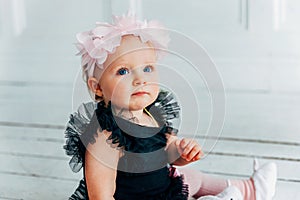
point(95, 45)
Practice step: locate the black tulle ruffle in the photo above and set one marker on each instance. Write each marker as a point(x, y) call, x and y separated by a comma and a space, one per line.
point(83, 124)
point(76, 128)
point(80, 192)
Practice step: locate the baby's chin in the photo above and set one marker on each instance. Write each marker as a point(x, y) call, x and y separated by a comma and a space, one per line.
point(131, 106)
point(137, 106)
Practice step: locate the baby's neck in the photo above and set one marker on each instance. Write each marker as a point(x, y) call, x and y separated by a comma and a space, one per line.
point(137, 116)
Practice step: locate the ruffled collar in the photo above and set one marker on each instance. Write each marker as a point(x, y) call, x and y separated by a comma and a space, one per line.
point(82, 129)
point(130, 135)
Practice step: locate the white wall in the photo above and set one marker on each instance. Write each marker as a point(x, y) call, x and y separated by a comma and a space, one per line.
point(255, 43)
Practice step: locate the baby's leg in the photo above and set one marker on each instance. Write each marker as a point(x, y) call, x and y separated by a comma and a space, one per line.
point(201, 184)
point(261, 186)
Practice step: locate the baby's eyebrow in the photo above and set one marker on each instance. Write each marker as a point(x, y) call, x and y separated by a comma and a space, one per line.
point(125, 63)
point(150, 63)
point(119, 64)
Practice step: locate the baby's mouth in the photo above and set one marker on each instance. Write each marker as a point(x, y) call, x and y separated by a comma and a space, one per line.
point(140, 93)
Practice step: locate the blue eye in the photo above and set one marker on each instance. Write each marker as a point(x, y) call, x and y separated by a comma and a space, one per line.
point(148, 68)
point(122, 71)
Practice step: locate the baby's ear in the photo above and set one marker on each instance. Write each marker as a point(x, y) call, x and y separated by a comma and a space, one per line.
point(94, 86)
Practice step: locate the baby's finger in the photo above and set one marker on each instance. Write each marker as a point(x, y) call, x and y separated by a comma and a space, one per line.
point(200, 155)
point(187, 150)
point(184, 143)
point(197, 156)
point(192, 154)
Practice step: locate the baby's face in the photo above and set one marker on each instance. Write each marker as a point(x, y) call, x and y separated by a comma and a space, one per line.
point(130, 80)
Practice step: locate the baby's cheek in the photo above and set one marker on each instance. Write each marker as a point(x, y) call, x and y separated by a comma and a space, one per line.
point(155, 91)
point(115, 92)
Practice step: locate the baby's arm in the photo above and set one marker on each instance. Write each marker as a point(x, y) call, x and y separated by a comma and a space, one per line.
point(182, 151)
point(101, 162)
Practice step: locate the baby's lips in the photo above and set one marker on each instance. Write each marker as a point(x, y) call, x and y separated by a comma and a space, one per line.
point(140, 93)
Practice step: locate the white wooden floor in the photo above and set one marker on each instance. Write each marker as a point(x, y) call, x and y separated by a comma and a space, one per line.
point(37, 70)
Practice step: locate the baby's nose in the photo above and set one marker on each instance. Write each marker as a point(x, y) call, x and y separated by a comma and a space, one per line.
point(138, 81)
point(139, 78)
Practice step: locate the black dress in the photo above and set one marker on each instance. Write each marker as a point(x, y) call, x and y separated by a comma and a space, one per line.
point(143, 171)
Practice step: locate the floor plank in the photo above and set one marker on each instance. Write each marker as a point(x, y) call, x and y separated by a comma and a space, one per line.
point(26, 187)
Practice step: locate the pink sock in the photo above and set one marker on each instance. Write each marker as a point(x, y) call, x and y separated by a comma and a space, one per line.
point(201, 184)
point(246, 187)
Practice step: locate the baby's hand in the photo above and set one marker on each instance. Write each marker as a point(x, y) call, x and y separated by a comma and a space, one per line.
point(189, 149)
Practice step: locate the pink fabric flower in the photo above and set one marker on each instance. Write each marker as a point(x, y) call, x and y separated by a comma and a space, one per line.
point(95, 45)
